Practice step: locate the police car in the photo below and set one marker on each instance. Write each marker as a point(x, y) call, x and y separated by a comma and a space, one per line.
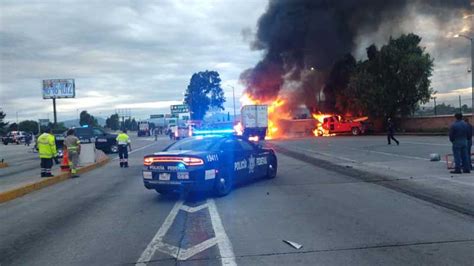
point(207, 163)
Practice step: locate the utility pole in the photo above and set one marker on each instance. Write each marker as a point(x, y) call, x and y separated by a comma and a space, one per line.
point(54, 111)
point(434, 99)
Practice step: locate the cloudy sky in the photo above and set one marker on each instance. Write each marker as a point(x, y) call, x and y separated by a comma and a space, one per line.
point(141, 54)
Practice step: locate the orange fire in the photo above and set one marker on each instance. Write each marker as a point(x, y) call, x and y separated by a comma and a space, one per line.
point(275, 113)
point(320, 131)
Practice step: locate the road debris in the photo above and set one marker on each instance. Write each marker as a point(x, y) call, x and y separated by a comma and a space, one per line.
point(293, 244)
point(435, 157)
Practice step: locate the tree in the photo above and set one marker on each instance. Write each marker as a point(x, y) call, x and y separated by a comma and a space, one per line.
point(204, 92)
point(13, 127)
point(393, 81)
point(29, 126)
point(87, 119)
point(113, 122)
point(2, 124)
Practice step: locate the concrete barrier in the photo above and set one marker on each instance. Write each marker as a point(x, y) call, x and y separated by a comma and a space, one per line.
point(45, 182)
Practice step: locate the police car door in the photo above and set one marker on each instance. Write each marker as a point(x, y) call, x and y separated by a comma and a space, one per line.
point(248, 153)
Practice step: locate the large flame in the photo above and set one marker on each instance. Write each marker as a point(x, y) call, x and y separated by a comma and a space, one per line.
point(275, 113)
point(320, 131)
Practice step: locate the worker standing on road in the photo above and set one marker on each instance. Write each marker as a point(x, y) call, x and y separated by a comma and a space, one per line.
point(123, 141)
point(47, 152)
point(391, 132)
point(469, 140)
point(458, 135)
point(73, 146)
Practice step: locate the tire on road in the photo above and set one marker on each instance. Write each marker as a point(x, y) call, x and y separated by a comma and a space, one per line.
point(355, 131)
point(113, 148)
point(272, 168)
point(223, 184)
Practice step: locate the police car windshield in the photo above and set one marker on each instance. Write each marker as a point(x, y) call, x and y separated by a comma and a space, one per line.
point(195, 144)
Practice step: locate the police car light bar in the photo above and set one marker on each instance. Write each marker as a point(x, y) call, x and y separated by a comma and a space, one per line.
point(214, 132)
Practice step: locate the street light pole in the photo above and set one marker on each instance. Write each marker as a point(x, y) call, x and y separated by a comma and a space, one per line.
point(233, 99)
point(472, 71)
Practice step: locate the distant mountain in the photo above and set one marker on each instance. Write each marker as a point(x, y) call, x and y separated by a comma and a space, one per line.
point(75, 122)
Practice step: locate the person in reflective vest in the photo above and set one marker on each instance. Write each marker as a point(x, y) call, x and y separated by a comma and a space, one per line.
point(123, 141)
point(47, 152)
point(73, 146)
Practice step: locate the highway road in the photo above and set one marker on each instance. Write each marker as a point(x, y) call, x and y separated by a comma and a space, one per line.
point(107, 217)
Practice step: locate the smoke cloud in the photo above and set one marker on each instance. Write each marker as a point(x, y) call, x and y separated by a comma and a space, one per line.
point(302, 40)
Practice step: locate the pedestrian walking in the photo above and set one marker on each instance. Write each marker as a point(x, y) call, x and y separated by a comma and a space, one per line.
point(469, 140)
point(73, 147)
point(47, 152)
point(391, 132)
point(123, 141)
point(458, 135)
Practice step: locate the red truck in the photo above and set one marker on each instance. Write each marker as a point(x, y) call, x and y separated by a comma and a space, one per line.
point(335, 124)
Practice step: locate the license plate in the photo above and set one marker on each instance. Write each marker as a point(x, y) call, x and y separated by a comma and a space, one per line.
point(147, 175)
point(164, 176)
point(183, 175)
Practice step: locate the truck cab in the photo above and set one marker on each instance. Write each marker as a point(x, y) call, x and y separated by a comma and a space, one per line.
point(338, 124)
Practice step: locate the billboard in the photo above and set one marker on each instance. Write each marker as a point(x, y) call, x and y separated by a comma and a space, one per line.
point(59, 88)
point(179, 109)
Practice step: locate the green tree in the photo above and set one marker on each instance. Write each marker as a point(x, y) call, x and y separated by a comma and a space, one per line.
point(28, 126)
point(204, 92)
point(3, 125)
point(13, 127)
point(393, 80)
point(87, 119)
point(113, 122)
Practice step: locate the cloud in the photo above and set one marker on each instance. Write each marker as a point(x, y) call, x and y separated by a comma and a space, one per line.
point(121, 53)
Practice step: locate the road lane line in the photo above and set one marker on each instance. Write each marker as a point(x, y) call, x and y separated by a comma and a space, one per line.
point(193, 209)
point(225, 247)
point(135, 150)
point(426, 143)
point(150, 250)
point(185, 254)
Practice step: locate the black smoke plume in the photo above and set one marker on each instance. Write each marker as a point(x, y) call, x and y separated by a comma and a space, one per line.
point(303, 39)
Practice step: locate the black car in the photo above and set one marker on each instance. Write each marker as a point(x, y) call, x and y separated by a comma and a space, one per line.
point(103, 140)
point(213, 163)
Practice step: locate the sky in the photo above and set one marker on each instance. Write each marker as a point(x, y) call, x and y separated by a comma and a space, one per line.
point(141, 54)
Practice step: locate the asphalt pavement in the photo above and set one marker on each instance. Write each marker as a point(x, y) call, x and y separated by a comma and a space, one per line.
point(107, 217)
point(24, 162)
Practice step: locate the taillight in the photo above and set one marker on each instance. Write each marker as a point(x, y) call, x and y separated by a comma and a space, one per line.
point(190, 161)
point(148, 161)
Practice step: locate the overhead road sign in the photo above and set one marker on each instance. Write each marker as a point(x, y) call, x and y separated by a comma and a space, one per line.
point(179, 109)
point(59, 88)
point(157, 116)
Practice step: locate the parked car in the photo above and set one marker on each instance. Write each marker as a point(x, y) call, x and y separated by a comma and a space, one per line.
point(14, 137)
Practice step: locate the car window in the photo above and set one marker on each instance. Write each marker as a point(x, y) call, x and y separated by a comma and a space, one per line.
point(244, 145)
point(98, 132)
point(194, 144)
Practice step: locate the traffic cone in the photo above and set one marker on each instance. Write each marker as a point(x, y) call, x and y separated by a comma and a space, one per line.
point(65, 162)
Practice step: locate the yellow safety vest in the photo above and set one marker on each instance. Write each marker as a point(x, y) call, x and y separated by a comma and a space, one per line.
point(123, 139)
point(46, 146)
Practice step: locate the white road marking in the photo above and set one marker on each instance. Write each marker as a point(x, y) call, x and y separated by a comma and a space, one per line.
point(157, 239)
point(135, 150)
point(225, 247)
point(397, 155)
point(426, 143)
point(193, 209)
point(220, 239)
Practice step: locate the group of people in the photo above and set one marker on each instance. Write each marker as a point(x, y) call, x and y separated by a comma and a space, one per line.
point(460, 135)
point(46, 144)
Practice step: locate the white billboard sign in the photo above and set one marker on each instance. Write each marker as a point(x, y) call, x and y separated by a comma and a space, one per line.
point(59, 88)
